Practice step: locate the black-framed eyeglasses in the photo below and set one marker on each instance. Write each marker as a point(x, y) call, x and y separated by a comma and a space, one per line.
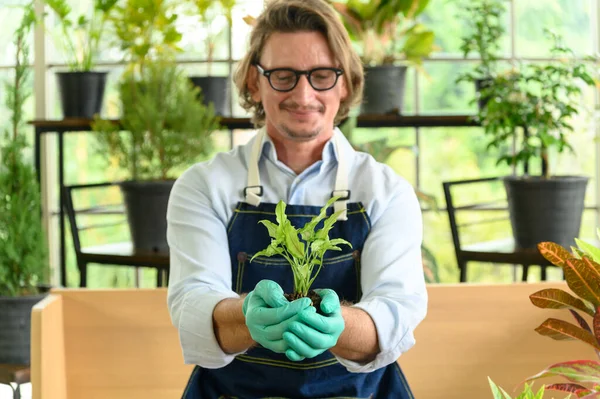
point(285, 79)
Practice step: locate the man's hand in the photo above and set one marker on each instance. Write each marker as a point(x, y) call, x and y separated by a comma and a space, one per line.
point(268, 314)
point(313, 334)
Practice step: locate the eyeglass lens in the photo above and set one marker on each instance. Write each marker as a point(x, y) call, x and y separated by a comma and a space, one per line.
point(320, 79)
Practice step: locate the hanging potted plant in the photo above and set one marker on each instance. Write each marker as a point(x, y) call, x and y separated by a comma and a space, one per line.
point(81, 89)
point(485, 28)
point(386, 31)
point(215, 16)
point(534, 106)
point(163, 130)
point(23, 253)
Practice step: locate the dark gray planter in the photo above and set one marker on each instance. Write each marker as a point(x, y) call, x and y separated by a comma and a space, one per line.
point(81, 93)
point(384, 90)
point(545, 209)
point(215, 89)
point(15, 328)
point(146, 208)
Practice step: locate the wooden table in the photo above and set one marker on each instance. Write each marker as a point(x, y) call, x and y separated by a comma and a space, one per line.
point(18, 374)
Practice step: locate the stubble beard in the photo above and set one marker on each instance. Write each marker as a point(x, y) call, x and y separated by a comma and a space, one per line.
point(303, 135)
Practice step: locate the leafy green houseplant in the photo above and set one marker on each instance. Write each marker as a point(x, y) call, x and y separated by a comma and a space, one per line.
point(81, 38)
point(145, 31)
point(485, 28)
point(534, 106)
point(163, 129)
point(23, 254)
point(386, 31)
point(303, 247)
point(527, 393)
point(81, 89)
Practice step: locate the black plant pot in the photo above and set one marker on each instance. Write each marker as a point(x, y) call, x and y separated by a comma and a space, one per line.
point(545, 209)
point(81, 93)
point(215, 89)
point(384, 90)
point(146, 208)
point(15, 330)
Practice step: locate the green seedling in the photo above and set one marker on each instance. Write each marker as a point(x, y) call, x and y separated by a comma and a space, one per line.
point(303, 248)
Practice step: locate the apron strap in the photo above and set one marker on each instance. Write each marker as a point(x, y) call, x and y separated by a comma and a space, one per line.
point(341, 181)
point(253, 191)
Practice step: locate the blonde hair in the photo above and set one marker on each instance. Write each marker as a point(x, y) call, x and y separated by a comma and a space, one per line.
point(288, 16)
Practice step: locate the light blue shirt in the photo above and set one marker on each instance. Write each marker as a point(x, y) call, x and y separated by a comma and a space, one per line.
point(202, 203)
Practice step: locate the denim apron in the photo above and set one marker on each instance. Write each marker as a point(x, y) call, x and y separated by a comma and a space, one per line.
point(260, 373)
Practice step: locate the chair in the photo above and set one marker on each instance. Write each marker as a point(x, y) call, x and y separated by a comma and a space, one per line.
point(466, 211)
point(96, 211)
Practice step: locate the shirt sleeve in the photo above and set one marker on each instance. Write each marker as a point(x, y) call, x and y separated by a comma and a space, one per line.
point(200, 269)
point(393, 284)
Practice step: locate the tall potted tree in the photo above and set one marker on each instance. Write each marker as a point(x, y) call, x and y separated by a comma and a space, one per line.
point(163, 129)
point(385, 31)
point(23, 254)
point(215, 89)
point(81, 88)
point(484, 30)
point(534, 105)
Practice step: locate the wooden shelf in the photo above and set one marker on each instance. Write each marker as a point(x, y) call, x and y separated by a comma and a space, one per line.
point(75, 125)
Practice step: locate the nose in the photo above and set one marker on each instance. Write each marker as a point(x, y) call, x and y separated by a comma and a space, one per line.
point(303, 92)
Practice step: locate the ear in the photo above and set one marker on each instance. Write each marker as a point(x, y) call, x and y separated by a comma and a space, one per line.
point(252, 82)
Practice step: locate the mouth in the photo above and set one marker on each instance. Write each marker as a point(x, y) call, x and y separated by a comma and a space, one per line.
point(302, 113)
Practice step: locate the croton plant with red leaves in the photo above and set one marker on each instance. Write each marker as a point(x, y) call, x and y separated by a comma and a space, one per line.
point(582, 274)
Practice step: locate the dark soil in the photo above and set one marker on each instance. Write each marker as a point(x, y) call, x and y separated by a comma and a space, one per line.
point(314, 297)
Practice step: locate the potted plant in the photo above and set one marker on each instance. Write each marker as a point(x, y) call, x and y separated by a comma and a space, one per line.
point(163, 129)
point(302, 247)
point(144, 31)
point(582, 273)
point(23, 255)
point(215, 89)
point(386, 30)
point(485, 28)
point(533, 105)
point(81, 89)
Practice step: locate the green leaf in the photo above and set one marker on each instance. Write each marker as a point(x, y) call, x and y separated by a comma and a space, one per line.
point(582, 371)
point(292, 242)
point(583, 279)
point(590, 250)
point(272, 228)
point(280, 213)
point(419, 45)
point(339, 241)
point(498, 392)
point(553, 298)
point(269, 251)
point(554, 253)
point(561, 330)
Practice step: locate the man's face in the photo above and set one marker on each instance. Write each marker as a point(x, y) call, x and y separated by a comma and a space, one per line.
point(303, 113)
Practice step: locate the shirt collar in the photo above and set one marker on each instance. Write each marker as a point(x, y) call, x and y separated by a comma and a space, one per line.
point(328, 156)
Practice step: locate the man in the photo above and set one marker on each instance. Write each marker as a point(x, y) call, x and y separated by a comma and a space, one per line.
point(299, 79)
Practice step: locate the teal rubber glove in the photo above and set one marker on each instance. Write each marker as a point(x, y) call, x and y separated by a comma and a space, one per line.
point(313, 334)
point(268, 314)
